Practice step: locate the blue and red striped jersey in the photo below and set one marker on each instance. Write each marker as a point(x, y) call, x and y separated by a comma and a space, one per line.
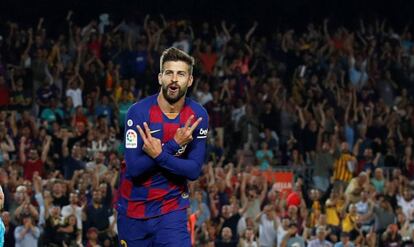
point(152, 187)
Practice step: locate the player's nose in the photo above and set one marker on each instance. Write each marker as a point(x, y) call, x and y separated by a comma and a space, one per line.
point(174, 77)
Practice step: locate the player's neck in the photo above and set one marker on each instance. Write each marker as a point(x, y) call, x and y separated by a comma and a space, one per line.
point(168, 108)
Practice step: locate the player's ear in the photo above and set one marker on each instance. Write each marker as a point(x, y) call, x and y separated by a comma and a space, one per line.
point(159, 78)
point(190, 81)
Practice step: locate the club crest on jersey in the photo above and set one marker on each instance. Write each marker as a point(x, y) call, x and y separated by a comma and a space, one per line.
point(123, 243)
point(130, 123)
point(184, 195)
point(131, 139)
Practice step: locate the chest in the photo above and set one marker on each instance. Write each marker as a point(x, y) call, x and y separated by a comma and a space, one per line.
point(164, 126)
point(164, 131)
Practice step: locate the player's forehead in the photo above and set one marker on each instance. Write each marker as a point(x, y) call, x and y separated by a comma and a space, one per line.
point(176, 66)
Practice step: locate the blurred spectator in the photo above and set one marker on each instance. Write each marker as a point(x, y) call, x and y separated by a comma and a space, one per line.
point(267, 226)
point(73, 209)
point(320, 238)
point(92, 237)
point(292, 238)
point(344, 241)
point(26, 234)
point(10, 227)
point(226, 239)
point(97, 214)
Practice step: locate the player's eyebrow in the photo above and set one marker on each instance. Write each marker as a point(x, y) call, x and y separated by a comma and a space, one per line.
point(178, 71)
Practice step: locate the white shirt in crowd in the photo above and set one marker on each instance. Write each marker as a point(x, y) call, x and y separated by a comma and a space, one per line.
point(406, 206)
point(75, 210)
point(76, 95)
point(267, 232)
point(203, 97)
point(280, 233)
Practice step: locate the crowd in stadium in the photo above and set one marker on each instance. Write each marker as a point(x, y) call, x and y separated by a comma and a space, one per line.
point(330, 104)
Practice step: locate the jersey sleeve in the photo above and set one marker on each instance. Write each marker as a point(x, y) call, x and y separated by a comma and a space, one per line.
point(136, 160)
point(171, 147)
point(191, 166)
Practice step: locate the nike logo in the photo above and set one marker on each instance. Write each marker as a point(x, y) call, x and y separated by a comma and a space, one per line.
point(155, 131)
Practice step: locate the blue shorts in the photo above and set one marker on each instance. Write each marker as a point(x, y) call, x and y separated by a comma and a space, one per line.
point(167, 230)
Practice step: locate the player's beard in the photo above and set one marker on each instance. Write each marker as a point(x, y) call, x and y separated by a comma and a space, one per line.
point(173, 97)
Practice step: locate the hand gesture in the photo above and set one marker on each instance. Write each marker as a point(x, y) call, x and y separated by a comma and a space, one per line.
point(152, 146)
point(185, 134)
point(27, 225)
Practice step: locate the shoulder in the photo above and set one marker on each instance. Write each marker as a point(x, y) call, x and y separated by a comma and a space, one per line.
point(143, 105)
point(197, 108)
point(19, 228)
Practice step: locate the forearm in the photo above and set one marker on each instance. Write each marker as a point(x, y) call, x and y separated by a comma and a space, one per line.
point(171, 147)
point(9, 147)
point(35, 232)
point(257, 218)
point(18, 211)
point(33, 211)
point(22, 155)
point(138, 163)
point(41, 203)
point(45, 151)
point(65, 229)
point(188, 168)
point(21, 235)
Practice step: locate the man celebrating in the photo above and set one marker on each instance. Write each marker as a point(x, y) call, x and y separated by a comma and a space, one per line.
point(165, 139)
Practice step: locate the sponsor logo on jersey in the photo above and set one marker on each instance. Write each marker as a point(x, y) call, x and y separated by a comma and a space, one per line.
point(154, 131)
point(181, 150)
point(202, 133)
point(131, 139)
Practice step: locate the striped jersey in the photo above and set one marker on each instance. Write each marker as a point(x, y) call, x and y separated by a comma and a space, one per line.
point(152, 187)
point(341, 170)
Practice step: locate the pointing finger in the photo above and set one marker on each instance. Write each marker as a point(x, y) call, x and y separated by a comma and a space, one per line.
point(187, 124)
point(142, 134)
point(147, 130)
point(195, 124)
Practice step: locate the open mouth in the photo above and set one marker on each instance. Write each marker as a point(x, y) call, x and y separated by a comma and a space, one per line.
point(173, 88)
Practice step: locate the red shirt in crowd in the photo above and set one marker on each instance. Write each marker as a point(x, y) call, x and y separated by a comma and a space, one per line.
point(95, 47)
point(32, 166)
point(4, 95)
point(208, 61)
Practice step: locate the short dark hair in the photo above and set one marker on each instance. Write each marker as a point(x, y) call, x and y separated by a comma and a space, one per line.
point(174, 54)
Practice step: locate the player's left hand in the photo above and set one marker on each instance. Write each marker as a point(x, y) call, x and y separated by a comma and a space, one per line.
point(184, 135)
point(152, 146)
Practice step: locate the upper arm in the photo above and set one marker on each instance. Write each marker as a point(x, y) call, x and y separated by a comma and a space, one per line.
point(134, 155)
point(17, 233)
point(36, 232)
point(198, 145)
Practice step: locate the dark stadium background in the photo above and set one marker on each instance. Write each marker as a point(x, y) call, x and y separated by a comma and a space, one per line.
point(244, 12)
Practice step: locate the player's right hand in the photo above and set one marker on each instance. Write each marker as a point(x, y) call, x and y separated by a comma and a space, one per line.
point(184, 135)
point(152, 146)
